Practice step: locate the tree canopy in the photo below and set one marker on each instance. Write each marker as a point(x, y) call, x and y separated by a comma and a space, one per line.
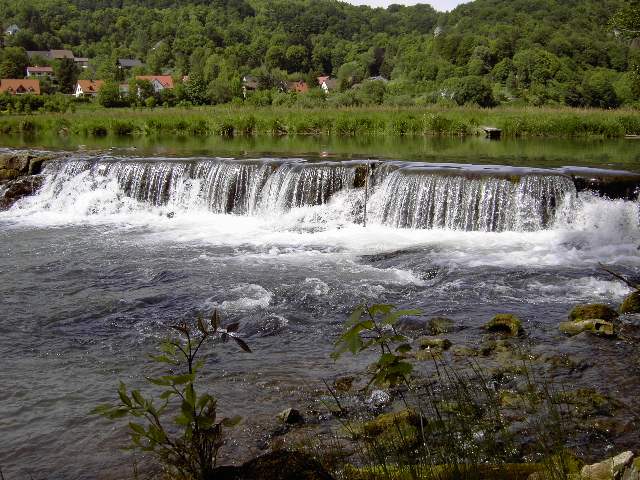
point(534, 51)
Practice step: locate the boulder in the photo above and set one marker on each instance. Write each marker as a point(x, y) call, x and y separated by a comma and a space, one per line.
point(506, 324)
point(437, 344)
point(610, 469)
point(279, 465)
point(17, 189)
point(593, 311)
point(631, 304)
point(633, 471)
point(291, 416)
point(595, 326)
point(440, 325)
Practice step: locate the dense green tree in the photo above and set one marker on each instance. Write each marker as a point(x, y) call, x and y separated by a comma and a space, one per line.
point(537, 50)
point(67, 73)
point(13, 62)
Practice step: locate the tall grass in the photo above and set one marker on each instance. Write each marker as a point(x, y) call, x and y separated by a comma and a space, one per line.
point(343, 122)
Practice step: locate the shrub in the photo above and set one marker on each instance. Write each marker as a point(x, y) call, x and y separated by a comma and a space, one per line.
point(190, 449)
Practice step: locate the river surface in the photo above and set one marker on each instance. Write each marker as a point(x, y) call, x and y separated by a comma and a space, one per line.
point(115, 248)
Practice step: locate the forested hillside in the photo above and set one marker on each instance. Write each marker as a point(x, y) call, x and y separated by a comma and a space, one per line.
point(487, 51)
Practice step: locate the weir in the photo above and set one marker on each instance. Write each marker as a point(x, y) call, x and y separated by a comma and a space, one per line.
point(398, 194)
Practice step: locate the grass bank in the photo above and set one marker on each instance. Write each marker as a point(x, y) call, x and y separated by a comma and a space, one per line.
point(349, 122)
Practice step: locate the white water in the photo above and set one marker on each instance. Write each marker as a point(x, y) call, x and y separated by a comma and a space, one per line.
point(287, 209)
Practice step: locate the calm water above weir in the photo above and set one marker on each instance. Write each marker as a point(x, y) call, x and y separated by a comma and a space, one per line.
point(114, 248)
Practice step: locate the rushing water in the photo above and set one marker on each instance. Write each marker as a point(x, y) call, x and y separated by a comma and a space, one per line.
point(112, 250)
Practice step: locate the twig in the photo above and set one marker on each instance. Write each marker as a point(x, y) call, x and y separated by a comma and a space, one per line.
point(619, 277)
point(335, 397)
point(1, 475)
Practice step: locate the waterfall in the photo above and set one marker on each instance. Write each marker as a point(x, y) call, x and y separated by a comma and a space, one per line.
point(401, 195)
point(410, 198)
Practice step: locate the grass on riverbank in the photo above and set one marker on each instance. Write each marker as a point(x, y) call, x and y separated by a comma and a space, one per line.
point(242, 121)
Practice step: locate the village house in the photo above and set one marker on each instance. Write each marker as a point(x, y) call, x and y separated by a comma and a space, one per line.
point(82, 62)
point(327, 84)
point(40, 72)
point(60, 54)
point(88, 88)
point(15, 86)
point(249, 84)
point(12, 30)
point(298, 87)
point(128, 63)
point(158, 82)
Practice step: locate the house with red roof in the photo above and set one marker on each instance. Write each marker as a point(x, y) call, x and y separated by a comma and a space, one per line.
point(159, 82)
point(88, 88)
point(14, 86)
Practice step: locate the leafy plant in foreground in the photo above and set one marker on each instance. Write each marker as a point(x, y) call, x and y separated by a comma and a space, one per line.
point(188, 445)
point(375, 327)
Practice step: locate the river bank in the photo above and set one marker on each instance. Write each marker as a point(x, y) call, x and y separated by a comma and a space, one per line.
point(229, 121)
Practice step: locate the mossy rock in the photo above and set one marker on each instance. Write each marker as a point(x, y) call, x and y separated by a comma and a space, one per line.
point(440, 325)
point(596, 326)
point(389, 421)
point(464, 351)
point(438, 344)
point(631, 304)
point(587, 402)
point(506, 324)
point(593, 311)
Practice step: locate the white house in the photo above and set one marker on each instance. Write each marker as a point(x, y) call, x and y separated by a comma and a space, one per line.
point(88, 88)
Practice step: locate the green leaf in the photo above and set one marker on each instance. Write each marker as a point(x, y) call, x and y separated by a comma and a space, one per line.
point(380, 309)
point(187, 410)
point(393, 317)
point(160, 381)
point(137, 397)
point(181, 379)
point(164, 359)
point(404, 348)
point(169, 348)
point(137, 428)
point(118, 413)
point(122, 393)
point(101, 409)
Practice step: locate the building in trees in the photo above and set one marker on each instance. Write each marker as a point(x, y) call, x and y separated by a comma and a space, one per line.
point(88, 88)
point(128, 63)
point(158, 82)
point(12, 30)
point(14, 86)
point(40, 72)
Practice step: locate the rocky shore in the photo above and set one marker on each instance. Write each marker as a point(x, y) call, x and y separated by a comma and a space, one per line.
point(20, 174)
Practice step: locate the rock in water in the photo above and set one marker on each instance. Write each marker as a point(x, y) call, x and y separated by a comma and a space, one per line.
point(440, 325)
point(17, 189)
point(505, 323)
point(378, 399)
point(595, 326)
point(593, 311)
point(280, 465)
point(631, 304)
point(291, 416)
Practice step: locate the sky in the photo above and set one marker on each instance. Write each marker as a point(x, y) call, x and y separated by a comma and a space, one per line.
point(437, 4)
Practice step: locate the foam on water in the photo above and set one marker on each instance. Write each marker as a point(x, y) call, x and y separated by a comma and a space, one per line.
point(297, 210)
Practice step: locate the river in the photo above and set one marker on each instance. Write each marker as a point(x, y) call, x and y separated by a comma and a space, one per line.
point(117, 246)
